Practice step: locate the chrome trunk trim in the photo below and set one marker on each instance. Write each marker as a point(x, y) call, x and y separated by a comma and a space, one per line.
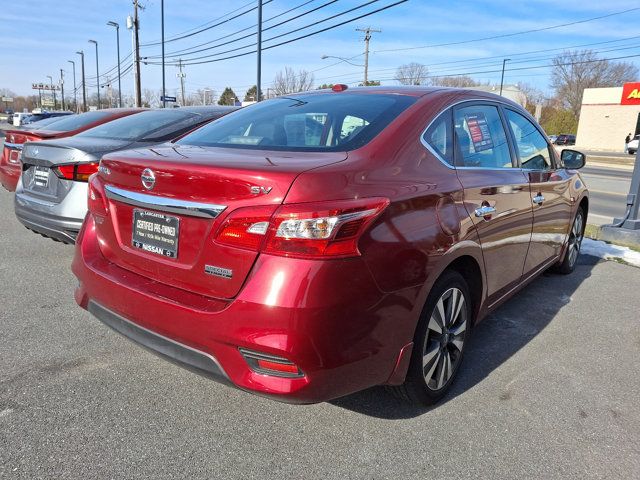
point(164, 204)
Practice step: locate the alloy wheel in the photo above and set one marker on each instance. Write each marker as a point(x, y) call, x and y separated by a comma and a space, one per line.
point(444, 342)
point(575, 238)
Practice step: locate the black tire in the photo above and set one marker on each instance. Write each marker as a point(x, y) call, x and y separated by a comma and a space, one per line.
point(576, 235)
point(427, 383)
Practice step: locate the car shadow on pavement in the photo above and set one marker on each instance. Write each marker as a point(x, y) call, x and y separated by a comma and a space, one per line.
point(498, 337)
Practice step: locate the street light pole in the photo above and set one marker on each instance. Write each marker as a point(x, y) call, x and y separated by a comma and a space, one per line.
point(502, 78)
point(84, 84)
point(97, 71)
point(117, 26)
point(75, 91)
point(62, 88)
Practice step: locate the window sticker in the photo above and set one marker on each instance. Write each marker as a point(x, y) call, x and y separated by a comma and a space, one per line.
point(479, 131)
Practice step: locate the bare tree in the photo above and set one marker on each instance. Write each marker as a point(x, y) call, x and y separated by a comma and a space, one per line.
point(412, 74)
point(150, 98)
point(573, 71)
point(458, 81)
point(533, 95)
point(288, 81)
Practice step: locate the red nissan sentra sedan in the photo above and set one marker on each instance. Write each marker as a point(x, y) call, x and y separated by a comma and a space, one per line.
point(10, 165)
point(321, 243)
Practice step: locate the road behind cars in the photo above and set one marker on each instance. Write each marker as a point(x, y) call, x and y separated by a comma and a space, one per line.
point(549, 390)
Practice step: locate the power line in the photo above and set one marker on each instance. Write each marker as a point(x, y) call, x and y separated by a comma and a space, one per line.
point(526, 60)
point(517, 69)
point(191, 50)
point(510, 34)
point(207, 28)
point(209, 22)
point(192, 62)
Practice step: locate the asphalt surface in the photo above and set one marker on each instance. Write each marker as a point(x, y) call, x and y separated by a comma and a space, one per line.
point(549, 389)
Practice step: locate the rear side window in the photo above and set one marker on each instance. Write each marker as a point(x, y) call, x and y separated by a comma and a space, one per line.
point(315, 122)
point(439, 137)
point(531, 145)
point(480, 138)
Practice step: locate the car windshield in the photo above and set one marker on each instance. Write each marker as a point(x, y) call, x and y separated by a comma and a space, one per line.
point(73, 122)
point(142, 126)
point(312, 122)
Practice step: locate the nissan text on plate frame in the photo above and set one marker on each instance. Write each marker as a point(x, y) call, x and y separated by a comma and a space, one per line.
point(330, 241)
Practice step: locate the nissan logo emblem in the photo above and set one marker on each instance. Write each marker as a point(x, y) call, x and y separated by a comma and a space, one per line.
point(148, 178)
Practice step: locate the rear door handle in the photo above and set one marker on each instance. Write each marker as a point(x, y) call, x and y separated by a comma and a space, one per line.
point(484, 211)
point(538, 199)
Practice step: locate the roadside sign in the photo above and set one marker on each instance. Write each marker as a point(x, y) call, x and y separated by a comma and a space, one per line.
point(167, 99)
point(7, 99)
point(630, 94)
point(44, 86)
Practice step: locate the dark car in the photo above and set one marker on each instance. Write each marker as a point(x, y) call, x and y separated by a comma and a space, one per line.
point(51, 196)
point(565, 139)
point(48, 128)
point(321, 243)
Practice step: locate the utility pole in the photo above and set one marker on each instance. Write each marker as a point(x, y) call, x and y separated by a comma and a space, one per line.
point(75, 90)
point(136, 53)
point(502, 77)
point(62, 87)
point(84, 84)
point(259, 52)
point(181, 75)
point(164, 90)
point(367, 37)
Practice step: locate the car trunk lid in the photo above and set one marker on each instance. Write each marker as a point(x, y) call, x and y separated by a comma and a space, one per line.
point(166, 229)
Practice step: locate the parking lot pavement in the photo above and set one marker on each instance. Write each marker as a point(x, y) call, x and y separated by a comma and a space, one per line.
point(549, 389)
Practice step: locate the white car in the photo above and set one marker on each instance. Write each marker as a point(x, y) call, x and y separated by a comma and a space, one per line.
point(632, 146)
point(19, 118)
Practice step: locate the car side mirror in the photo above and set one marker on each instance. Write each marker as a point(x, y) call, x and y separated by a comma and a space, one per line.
point(572, 159)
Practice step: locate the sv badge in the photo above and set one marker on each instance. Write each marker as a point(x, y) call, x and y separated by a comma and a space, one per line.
point(256, 190)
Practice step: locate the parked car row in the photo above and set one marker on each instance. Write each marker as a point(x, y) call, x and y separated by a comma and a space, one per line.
point(18, 119)
point(309, 246)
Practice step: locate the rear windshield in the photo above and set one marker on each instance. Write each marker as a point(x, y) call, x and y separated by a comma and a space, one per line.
point(318, 122)
point(149, 125)
point(73, 122)
point(43, 123)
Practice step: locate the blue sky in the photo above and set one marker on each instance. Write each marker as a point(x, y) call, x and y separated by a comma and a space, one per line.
point(38, 37)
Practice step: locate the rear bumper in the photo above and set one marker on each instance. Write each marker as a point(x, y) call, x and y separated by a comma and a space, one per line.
point(170, 349)
point(60, 221)
point(338, 333)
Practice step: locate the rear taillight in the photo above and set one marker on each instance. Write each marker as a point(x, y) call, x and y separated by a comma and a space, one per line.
point(309, 230)
point(246, 227)
point(78, 172)
point(14, 156)
point(96, 199)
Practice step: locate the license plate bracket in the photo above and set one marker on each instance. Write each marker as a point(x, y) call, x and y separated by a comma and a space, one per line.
point(41, 176)
point(155, 233)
